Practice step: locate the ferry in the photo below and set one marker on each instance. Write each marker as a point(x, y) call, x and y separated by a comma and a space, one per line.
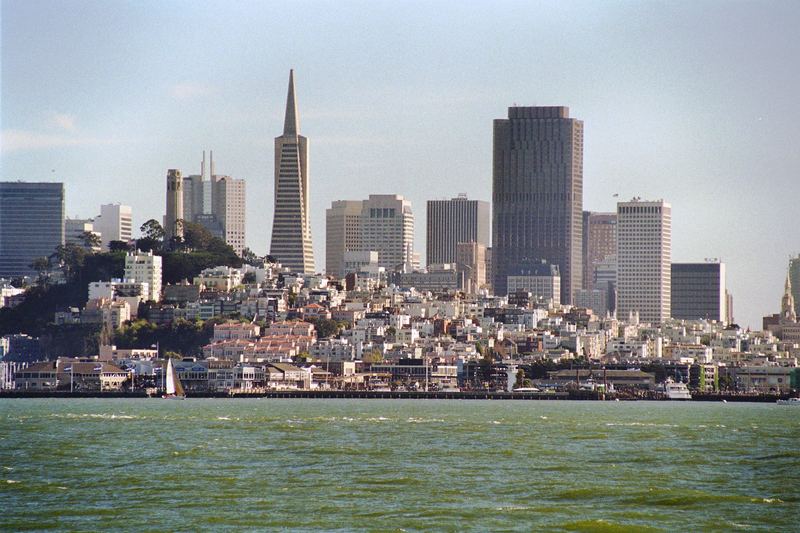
point(790, 401)
point(676, 390)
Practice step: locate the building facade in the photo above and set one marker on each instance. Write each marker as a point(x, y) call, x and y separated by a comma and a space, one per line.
point(471, 263)
point(145, 267)
point(644, 248)
point(541, 280)
point(115, 223)
point(599, 243)
point(387, 227)
point(291, 225)
point(342, 234)
point(698, 291)
point(537, 194)
point(450, 222)
point(31, 224)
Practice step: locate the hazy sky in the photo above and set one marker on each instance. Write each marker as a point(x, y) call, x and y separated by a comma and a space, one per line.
point(693, 102)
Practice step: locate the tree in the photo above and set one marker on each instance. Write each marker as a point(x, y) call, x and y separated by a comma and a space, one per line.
point(249, 257)
point(153, 230)
point(91, 240)
point(520, 379)
point(375, 356)
point(42, 267)
point(70, 258)
point(326, 328)
point(249, 278)
point(118, 246)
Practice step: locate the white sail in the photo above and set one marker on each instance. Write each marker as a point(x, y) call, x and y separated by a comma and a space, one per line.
point(170, 378)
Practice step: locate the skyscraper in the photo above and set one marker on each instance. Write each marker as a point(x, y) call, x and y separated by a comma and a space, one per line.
point(115, 223)
point(794, 275)
point(31, 224)
point(537, 195)
point(172, 226)
point(387, 227)
point(291, 226)
point(644, 248)
point(698, 291)
point(342, 234)
point(599, 243)
point(454, 221)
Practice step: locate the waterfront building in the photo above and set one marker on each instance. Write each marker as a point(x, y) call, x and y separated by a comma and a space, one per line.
point(115, 223)
point(450, 222)
point(599, 243)
point(145, 267)
point(541, 280)
point(698, 291)
point(173, 227)
point(31, 224)
point(291, 226)
point(537, 195)
point(342, 234)
point(644, 247)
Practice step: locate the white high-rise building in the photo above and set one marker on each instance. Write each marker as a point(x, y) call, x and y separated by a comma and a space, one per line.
point(75, 230)
point(145, 267)
point(342, 234)
point(115, 223)
point(387, 227)
point(644, 248)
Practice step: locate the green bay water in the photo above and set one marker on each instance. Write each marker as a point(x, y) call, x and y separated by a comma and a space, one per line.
point(397, 465)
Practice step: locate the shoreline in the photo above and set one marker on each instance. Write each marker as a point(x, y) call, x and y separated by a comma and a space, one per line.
point(398, 395)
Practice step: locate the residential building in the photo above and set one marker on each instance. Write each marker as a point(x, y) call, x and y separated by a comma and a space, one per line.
point(599, 243)
point(115, 223)
point(145, 267)
point(31, 224)
point(342, 234)
point(644, 247)
point(698, 291)
point(291, 226)
point(454, 221)
point(542, 280)
point(537, 195)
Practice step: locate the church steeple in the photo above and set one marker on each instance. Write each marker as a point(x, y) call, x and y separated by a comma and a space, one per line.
point(291, 124)
point(787, 303)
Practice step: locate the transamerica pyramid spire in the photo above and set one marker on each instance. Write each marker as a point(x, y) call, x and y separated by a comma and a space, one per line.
point(291, 125)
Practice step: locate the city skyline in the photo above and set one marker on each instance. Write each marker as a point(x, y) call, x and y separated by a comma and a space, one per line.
point(378, 131)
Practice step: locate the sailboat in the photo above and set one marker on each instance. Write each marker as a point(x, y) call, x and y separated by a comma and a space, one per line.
point(174, 388)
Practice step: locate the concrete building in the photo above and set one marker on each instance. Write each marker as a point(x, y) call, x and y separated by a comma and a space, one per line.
point(450, 222)
point(537, 195)
point(698, 291)
point(115, 223)
point(644, 243)
point(75, 230)
point(342, 234)
point(146, 267)
point(599, 243)
point(794, 275)
point(471, 264)
point(174, 214)
point(387, 226)
point(291, 226)
point(541, 280)
point(31, 224)
point(217, 203)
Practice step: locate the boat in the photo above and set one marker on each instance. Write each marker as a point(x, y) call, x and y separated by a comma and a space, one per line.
point(676, 390)
point(790, 401)
point(174, 388)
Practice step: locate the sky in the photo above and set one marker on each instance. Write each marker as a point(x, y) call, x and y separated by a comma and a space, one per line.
point(695, 102)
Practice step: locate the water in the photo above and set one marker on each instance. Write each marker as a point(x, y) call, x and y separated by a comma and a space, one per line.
point(396, 465)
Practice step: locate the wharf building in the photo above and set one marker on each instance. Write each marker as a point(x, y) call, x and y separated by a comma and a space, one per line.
point(31, 224)
point(537, 195)
point(698, 291)
point(644, 248)
point(291, 226)
point(115, 223)
point(450, 222)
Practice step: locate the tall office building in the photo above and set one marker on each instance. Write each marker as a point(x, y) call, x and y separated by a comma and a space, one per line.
point(599, 243)
point(698, 291)
point(471, 263)
point(342, 234)
point(454, 221)
point(537, 195)
point(217, 203)
point(115, 223)
point(291, 226)
point(31, 224)
point(387, 227)
point(644, 248)
point(172, 224)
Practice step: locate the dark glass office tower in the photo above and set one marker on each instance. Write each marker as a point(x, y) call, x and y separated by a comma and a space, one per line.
point(537, 194)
